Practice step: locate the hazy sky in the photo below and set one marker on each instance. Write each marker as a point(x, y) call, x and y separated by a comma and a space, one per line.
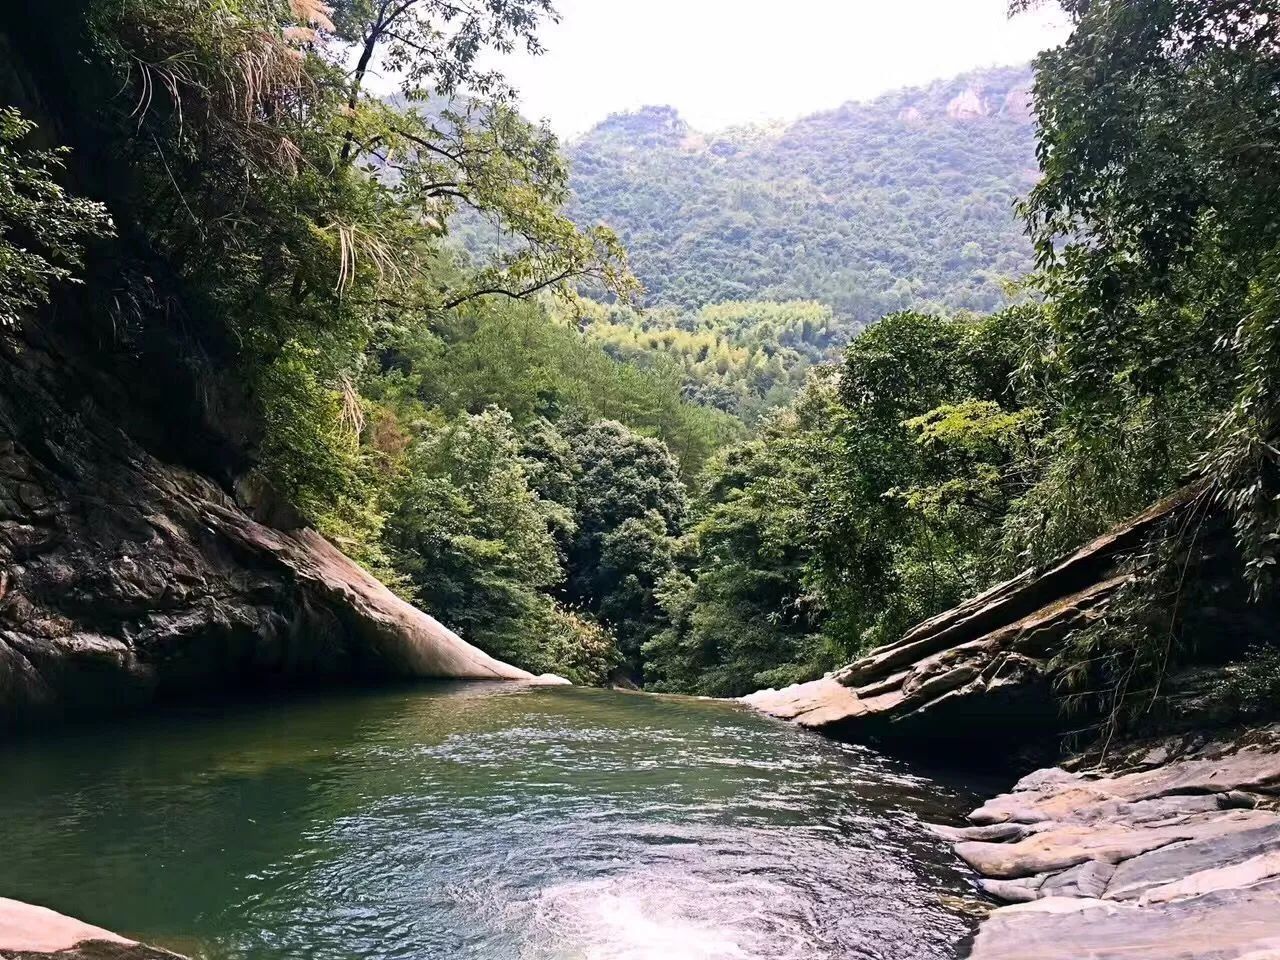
point(724, 62)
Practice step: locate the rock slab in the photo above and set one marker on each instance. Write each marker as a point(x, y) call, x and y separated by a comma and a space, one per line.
point(980, 672)
point(29, 932)
point(1177, 860)
point(125, 578)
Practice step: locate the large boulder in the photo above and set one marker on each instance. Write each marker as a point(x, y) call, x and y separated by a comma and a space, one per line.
point(124, 579)
point(28, 932)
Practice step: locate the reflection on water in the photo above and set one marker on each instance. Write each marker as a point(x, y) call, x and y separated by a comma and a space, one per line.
point(485, 822)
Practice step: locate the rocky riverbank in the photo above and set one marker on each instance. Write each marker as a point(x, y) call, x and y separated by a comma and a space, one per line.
point(125, 578)
point(1174, 853)
point(981, 674)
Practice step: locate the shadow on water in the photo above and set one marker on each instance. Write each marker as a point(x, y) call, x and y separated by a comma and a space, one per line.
point(483, 821)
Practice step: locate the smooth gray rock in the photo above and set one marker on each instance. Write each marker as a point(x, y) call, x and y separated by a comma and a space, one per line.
point(1065, 846)
point(1087, 879)
point(992, 833)
point(1013, 891)
point(1224, 925)
point(1178, 860)
point(29, 932)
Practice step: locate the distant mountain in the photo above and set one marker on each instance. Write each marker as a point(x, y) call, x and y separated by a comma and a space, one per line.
point(901, 201)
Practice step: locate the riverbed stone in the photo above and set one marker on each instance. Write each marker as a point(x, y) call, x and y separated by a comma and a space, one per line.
point(1178, 861)
point(1072, 844)
point(1088, 879)
point(1013, 891)
point(1247, 873)
point(816, 704)
point(30, 932)
point(992, 833)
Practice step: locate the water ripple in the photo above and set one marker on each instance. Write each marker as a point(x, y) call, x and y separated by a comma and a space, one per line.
point(485, 822)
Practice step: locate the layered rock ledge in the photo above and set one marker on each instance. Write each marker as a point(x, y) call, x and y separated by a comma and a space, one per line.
point(1178, 857)
point(980, 671)
point(1171, 854)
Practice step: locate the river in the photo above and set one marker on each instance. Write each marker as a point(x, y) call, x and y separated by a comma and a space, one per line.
point(482, 822)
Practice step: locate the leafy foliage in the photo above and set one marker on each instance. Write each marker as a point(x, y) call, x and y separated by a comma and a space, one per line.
point(875, 501)
point(296, 228)
point(520, 460)
point(737, 615)
point(949, 451)
point(744, 358)
point(35, 211)
point(630, 505)
point(1155, 225)
point(592, 553)
point(1165, 169)
point(472, 536)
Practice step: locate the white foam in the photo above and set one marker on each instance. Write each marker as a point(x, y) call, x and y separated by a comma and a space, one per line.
point(644, 915)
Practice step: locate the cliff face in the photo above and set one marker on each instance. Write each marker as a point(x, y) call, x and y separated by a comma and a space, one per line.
point(129, 569)
point(124, 579)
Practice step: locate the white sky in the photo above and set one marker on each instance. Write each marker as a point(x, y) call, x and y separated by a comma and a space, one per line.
point(725, 62)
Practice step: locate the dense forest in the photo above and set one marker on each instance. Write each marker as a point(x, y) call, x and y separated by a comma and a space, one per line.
point(905, 201)
point(694, 496)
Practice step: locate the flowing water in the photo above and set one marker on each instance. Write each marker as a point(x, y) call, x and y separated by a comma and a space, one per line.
point(482, 821)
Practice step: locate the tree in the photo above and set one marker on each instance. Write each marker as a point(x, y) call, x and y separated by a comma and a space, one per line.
point(1156, 227)
point(473, 537)
point(455, 138)
point(631, 502)
point(303, 218)
point(739, 620)
point(35, 211)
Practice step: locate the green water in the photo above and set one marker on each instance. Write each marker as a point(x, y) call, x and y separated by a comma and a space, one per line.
point(481, 821)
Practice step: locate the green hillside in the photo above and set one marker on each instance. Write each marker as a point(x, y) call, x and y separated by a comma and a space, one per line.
point(869, 208)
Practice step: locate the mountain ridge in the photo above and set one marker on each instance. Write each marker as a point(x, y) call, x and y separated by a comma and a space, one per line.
point(905, 200)
point(967, 95)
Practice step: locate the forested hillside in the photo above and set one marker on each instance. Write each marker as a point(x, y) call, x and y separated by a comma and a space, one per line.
point(905, 201)
point(949, 450)
point(684, 495)
point(744, 358)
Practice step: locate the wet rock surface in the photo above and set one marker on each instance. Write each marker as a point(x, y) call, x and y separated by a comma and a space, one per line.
point(1177, 858)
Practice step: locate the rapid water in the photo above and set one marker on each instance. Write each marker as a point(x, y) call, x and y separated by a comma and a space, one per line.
point(482, 822)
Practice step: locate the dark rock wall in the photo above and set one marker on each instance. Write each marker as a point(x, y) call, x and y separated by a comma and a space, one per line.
point(124, 579)
point(128, 570)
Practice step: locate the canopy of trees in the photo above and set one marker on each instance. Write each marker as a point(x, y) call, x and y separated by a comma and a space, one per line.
point(946, 452)
point(290, 231)
point(725, 490)
point(744, 358)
